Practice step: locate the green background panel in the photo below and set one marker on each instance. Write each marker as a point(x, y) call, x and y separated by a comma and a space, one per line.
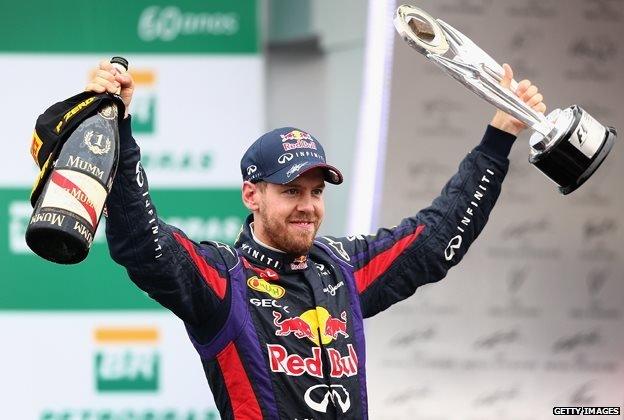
point(78, 26)
point(31, 283)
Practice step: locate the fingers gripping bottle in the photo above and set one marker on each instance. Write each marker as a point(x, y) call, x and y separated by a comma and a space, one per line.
point(66, 214)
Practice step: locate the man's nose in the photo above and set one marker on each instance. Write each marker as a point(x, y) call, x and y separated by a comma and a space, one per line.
point(305, 204)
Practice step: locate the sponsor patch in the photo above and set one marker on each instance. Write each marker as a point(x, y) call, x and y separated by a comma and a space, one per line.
point(297, 140)
point(319, 396)
point(264, 273)
point(296, 135)
point(317, 325)
point(268, 303)
point(35, 146)
point(299, 263)
point(261, 285)
point(292, 364)
point(70, 114)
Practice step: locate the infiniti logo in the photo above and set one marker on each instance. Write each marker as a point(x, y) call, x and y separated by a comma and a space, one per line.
point(251, 169)
point(139, 174)
point(453, 244)
point(479, 193)
point(336, 393)
point(286, 157)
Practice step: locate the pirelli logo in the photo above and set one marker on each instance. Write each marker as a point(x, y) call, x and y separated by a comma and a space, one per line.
point(35, 146)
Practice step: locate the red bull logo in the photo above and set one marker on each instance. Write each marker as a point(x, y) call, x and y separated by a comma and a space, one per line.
point(335, 326)
point(342, 365)
point(299, 263)
point(295, 365)
point(317, 325)
point(302, 140)
point(294, 325)
point(296, 135)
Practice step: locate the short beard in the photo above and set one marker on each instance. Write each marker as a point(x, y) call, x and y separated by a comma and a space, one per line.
point(297, 245)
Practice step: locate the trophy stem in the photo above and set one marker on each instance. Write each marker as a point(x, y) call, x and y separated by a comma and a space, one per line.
point(485, 82)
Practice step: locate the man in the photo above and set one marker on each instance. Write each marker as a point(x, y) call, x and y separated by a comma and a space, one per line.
point(277, 319)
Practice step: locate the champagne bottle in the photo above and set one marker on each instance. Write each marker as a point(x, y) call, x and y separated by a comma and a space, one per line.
point(67, 213)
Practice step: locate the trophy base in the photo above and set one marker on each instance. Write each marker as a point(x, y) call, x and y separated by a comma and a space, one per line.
point(578, 148)
point(602, 154)
point(58, 236)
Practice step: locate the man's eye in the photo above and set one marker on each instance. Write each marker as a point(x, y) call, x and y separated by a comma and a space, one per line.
point(317, 192)
point(291, 191)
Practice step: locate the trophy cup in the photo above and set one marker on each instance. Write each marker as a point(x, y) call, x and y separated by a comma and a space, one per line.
point(567, 146)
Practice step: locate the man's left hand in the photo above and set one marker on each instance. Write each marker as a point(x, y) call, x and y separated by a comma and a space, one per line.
point(528, 93)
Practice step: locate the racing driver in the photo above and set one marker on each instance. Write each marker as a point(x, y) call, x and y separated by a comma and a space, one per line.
point(277, 318)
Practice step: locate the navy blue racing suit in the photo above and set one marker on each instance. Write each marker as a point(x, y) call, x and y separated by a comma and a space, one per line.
point(279, 336)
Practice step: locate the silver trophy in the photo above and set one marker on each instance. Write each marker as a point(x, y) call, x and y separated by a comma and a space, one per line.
point(567, 145)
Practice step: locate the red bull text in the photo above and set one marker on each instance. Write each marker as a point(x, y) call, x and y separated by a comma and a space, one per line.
point(295, 365)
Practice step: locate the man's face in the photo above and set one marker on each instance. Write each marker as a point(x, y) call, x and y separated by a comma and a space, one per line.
point(289, 215)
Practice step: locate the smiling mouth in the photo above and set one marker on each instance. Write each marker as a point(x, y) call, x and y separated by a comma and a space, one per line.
point(300, 223)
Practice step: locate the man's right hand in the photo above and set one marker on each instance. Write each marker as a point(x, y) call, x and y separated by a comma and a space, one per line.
point(108, 79)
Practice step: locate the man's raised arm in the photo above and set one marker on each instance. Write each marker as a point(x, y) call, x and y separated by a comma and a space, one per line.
point(188, 278)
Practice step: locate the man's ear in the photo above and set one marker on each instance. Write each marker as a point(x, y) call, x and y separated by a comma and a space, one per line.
point(250, 195)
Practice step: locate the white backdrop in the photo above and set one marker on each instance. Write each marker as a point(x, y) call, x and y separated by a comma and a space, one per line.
point(533, 317)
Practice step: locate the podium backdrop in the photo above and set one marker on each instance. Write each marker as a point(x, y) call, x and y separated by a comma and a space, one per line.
point(82, 342)
point(533, 317)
